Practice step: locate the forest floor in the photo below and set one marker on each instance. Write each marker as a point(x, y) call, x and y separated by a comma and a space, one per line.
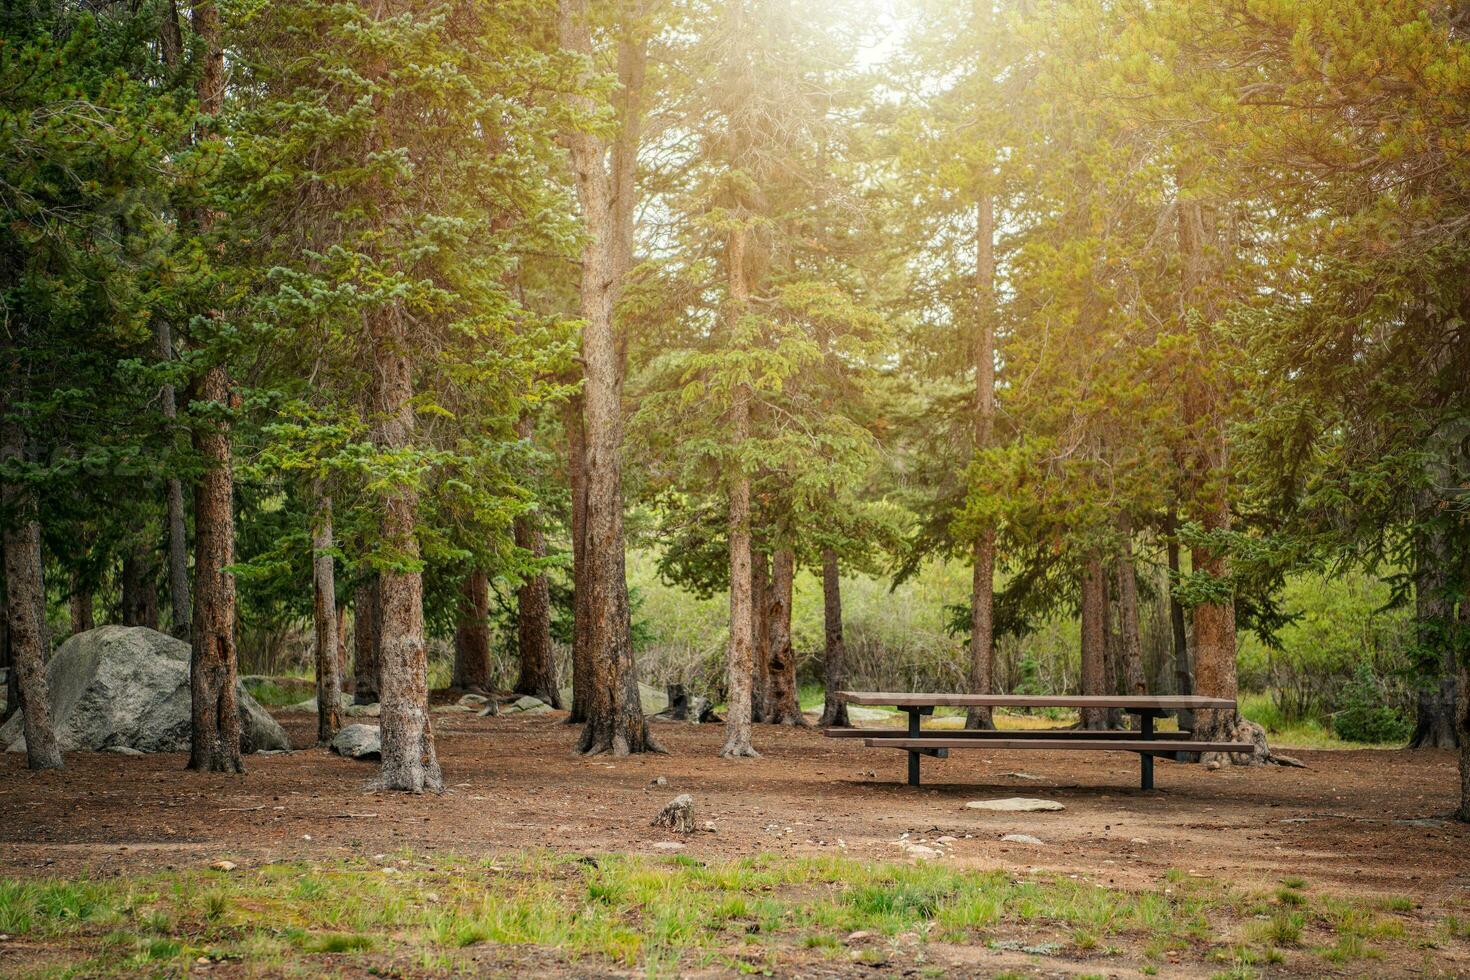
point(1348, 867)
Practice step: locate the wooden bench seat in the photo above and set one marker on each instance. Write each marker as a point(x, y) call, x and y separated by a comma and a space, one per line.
point(1152, 746)
point(1079, 734)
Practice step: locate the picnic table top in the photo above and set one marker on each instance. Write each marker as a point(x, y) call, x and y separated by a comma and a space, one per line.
point(1127, 702)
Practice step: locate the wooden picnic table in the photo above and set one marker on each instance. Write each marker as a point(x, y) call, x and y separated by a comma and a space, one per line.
point(1147, 743)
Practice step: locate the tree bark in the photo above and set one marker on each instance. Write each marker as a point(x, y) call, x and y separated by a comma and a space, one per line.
point(12, 681)
point(581, 621)
point(324, 617)
point(178, 542)
point(615, 721)
point(1094, 626)
point(1462, 705)
point(25, 600)
point(834, 709)
point(410, 761)
point(472, 634)
point(215, 742)
point(783, 706)
point(1183, 668)
point(982, 586)
point(760, 636)
point(366, 640)
point(139, 590)
point(81, 608)
point(1435, 723)
point(533, 622)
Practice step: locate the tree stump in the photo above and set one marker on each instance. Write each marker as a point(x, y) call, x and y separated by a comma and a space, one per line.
point(677, 815)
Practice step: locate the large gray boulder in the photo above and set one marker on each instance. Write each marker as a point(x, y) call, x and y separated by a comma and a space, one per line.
point(129, 686)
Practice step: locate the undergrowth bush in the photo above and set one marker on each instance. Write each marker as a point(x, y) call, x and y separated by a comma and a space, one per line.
point(1362, 714)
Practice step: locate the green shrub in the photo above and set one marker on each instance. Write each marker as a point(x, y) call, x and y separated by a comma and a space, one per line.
point(1362, 715)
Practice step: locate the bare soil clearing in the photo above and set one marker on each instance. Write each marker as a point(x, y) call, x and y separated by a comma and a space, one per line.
point(1360, 824)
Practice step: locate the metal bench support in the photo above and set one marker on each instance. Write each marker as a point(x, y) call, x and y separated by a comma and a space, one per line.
point(1146, 759)
point(914, 714)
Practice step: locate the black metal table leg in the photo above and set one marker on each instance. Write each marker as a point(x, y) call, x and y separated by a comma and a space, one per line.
point(1146, 759)
point(914, 756)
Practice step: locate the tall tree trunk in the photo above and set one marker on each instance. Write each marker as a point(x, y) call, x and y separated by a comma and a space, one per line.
point(215, 742)
point(1462, 705)
point(1435, 724)
point(80, 607)
point(139, 589)
point(533, 622)
point(178, 542)
point(1130, 644)
point(342, 664)
point(1183, 666)
point(410, 762)
point(25, 599)
point(760, 636)
point(1094, 628)
point(324, 616)
point(472, 634)
point(783, 706)
point(834, 709)
point(1208, 462)
point(615, 721)
point(12, 677)
point(1112, 671)
point(215, 736)
point(581, 619)
point(982, 586)
point(367, 640)
point(742, 619)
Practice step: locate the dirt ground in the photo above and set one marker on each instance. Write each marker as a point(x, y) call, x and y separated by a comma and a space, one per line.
point(1369, 822)
point(1362, 823)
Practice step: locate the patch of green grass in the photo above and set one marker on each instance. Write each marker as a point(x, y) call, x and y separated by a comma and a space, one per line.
point(1289, 896)
point(663, 916)
point(274, 695)
point(1293, 881)
point(1282, 929)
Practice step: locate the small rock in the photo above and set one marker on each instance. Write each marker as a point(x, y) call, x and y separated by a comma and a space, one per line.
point(1212, 765)
point(1138, 840)
point(659, 781)
point(1022, 775)
point(527, 703)
point(668, 845)
point(1023, 839)
point(859, 936)
point(224, 865)
point(473, 702)
point(122, 750)
point(709, 827)
point(1015, 804)
point(946, 839)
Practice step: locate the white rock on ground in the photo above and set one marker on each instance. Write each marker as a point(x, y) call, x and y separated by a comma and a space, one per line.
point(1015, 804)
point(129, 686)
point(1022, 839)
